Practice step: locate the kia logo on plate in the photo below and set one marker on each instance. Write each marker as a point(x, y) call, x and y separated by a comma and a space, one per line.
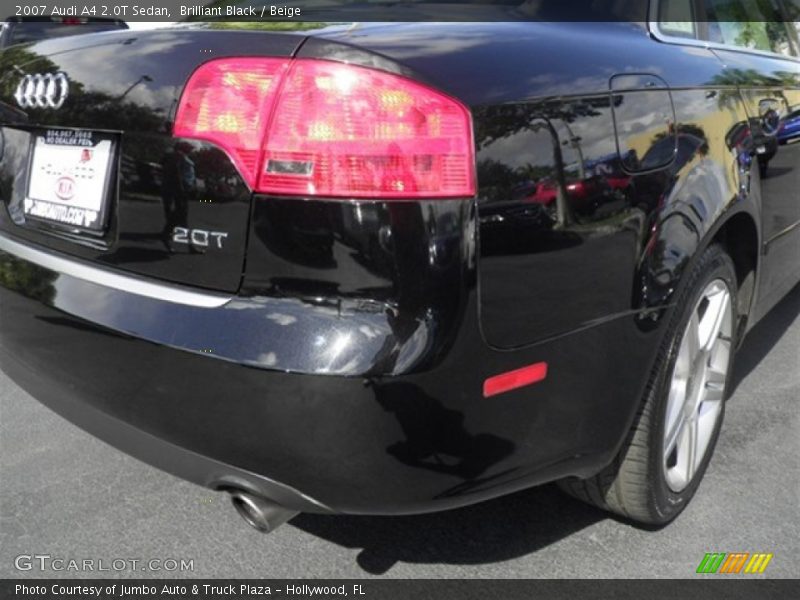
point(65, 188)
point(42, 91)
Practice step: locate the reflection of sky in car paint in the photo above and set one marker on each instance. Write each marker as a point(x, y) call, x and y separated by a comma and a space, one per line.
point(114, 78)
point(516, 150)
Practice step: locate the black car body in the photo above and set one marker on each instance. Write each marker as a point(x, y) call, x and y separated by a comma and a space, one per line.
point(25, 30)
point(347, 353)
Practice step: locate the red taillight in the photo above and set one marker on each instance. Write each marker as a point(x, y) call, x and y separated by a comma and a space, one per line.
point(336, 130)
point(228, 102)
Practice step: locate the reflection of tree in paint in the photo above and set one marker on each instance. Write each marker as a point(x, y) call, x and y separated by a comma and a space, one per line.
point(85, 108)
point(498, 122)
point(731, 23)
point(684, 131)
point(552, 119)
point(29, 279)
point(732, 79)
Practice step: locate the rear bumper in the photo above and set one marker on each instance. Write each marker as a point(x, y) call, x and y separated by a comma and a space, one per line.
point(206, 392)
point(197, 468)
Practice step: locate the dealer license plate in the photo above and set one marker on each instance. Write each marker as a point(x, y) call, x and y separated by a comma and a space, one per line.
point(69, 178)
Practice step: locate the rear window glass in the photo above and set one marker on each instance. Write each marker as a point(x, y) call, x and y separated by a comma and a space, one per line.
point(737, 23)
point(677, 18)
point(762, 25)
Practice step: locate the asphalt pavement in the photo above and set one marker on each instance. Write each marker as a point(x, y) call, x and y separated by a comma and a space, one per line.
point(66, 495)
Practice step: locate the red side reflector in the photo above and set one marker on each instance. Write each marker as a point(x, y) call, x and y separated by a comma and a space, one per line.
point(505, 382)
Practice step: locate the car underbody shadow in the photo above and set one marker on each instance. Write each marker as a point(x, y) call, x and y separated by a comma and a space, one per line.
point(763, 337)
point(492, 531)
point(510, 526)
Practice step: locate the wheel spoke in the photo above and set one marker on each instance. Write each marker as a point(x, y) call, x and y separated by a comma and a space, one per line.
point(715, 385)
point(674, 434)
point(716, 377)
point(712, 320)
point(693, 337)
point(692, 459)
point(678, 392)
point(713, 394)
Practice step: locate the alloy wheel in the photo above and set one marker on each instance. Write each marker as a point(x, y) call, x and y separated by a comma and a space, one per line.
point(697, 388)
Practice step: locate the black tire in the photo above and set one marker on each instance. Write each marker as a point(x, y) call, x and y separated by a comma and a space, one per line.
point(634, 484)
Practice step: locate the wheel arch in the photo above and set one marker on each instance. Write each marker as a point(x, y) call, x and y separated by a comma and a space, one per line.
point(738, 234)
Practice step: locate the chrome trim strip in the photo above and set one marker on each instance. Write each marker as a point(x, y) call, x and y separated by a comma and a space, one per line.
point(780, 234)
point(657, 33)
point(124, 283)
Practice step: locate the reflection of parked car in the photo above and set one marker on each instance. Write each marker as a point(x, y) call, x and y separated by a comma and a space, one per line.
point(611, 168)
point(521, 227)
point(22, 30)
point(545, 193)
point(586, 194)
point(789, 128)
point(523, 190)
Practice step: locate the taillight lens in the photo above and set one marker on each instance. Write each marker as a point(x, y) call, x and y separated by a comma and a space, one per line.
point(335, 130)
point(228, 102)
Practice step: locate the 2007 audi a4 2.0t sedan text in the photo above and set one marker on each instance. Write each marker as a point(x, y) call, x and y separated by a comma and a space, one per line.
point(400, 267)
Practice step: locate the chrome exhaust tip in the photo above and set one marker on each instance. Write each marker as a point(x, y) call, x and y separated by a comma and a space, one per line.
point(261, 514)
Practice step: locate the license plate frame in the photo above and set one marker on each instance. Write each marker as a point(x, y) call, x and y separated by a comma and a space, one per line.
point(69, 179)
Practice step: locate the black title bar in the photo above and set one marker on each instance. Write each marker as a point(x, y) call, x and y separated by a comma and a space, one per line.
point(708, 588)
point(372, 10)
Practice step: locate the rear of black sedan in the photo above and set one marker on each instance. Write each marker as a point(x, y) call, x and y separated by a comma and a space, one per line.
point(24, 30)
point(254, 260)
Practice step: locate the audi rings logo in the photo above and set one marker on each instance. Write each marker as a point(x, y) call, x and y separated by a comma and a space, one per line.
point(42, 91)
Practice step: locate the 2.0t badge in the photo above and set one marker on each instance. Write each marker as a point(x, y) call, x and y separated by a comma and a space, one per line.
point(198, 237)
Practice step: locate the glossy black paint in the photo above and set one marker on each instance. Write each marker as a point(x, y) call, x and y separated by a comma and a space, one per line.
point(162, 182)
point(769, 90)
point(646, 221)
point(371, 444)
point(349, 362)
point(22, 30)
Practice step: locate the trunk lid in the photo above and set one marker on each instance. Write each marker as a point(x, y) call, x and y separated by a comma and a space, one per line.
point(89, 166)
